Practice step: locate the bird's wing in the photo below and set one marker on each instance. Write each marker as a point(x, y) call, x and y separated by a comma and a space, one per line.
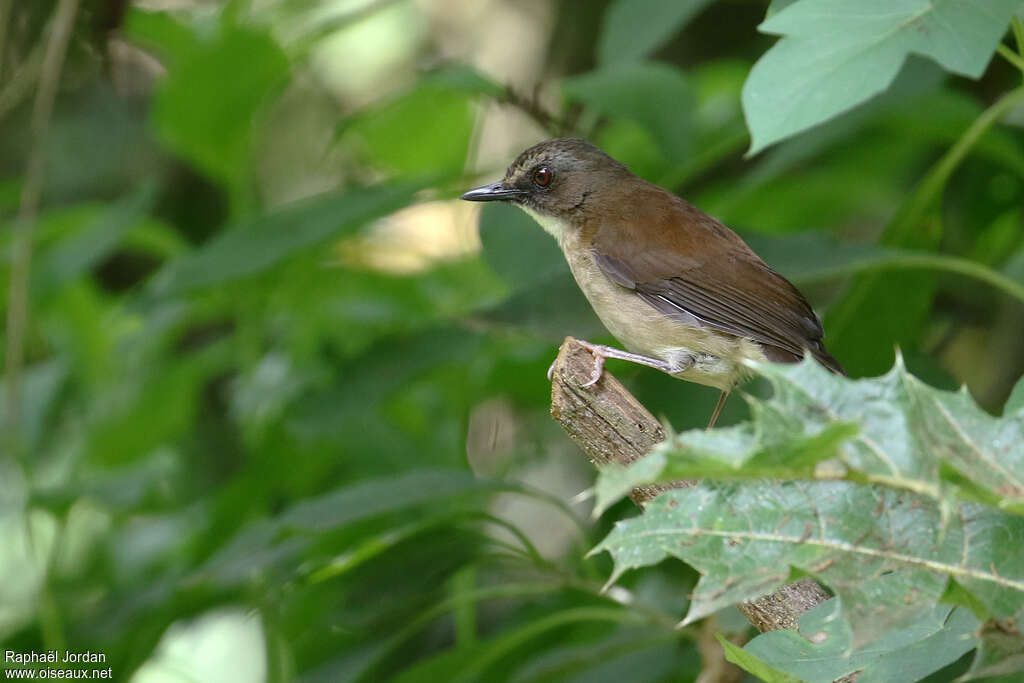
point(727, 287)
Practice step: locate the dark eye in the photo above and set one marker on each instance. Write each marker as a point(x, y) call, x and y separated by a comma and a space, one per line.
point(542, 176)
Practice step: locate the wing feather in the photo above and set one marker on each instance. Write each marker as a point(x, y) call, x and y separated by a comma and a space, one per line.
point(728, 287)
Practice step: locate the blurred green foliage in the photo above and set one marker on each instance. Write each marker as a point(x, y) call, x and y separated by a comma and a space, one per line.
point(268, 417)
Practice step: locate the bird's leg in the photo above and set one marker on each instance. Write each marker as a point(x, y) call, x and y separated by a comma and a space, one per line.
point(602, 352)
point(718, 409)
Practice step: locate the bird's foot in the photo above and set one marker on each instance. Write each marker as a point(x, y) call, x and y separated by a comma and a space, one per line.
point(600, 352)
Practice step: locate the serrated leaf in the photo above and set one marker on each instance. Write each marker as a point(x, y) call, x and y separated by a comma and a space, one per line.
point(892, 430)
point(821, 650)
point(884, 553)
point(909, 431)
point(632, 30)
point(845, 53)
point(769, 446)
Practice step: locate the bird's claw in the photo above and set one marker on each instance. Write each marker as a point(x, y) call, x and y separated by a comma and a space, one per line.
point(595, 375)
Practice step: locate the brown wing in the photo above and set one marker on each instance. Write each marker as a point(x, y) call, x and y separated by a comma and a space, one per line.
point(688, 265)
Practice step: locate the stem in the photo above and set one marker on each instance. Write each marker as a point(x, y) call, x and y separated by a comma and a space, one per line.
point(933, 184)
point(505, 591)
point(908, 219)
point(927, 261)
point(1011, 56)
point(500, 647)
point(19, 84)
point(465, 613)
point(532, 108)
point(1018, 34)
point(28, 208)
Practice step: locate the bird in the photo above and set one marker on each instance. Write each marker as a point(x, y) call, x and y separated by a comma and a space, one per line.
point(681, 291)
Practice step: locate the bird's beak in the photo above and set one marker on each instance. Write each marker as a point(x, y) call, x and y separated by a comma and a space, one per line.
point(492, 193)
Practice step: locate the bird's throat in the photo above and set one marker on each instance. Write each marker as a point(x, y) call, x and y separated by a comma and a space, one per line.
point(554, 226)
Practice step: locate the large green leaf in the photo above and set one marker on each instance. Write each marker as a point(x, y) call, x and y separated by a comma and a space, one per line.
point(889, 555)
point(258, 243)
point(632, 30)
point(891, 430)
point(423, 131)
point(281, 540)
point(206, 108)
point(836, 54)
point(888, 540)
point(821, 649)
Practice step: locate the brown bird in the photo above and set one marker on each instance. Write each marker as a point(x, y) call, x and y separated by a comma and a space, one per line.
point(684, 293)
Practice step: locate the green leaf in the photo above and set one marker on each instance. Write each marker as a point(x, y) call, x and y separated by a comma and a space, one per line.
point(887, 554)
point(1015, 404)
point(269, 542)
point(489, 652)
point(42, 386)
point(653, 94)
point(751, 664)
point(546, 299)
point(639, 654)
point(633, 29)
point(422, 132)
point(868, 320)
point(517, 248)
point(822, 650)
point(161, 32)
point(206, 108)
point(465, 79)
point(887, 541)
point(777, 6)
point(255, 244)
point(892, 430)
point(1000, 655)
point(811, 257)
point(166, 402)
point(76, 254)
point(845, 53)
point(772, 445)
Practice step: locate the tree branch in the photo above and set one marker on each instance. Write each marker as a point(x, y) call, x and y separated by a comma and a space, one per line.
point(612, 426)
